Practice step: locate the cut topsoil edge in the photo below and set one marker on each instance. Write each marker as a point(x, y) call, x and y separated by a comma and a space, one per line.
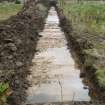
point(79, 43)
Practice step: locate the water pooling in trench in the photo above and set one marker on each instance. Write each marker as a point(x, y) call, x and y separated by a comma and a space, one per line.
point(54, 75)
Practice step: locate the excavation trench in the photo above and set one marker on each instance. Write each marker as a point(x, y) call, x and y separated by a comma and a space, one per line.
point(54, 76)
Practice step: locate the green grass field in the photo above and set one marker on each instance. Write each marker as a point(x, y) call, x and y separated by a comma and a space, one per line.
point(7, 10)
point(86, 16)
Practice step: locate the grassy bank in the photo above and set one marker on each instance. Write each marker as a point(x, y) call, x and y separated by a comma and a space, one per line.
point(88, 22)
point(86, 16)
point(7, 10)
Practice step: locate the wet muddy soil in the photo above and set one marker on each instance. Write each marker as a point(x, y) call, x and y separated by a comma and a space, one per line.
point(54, 75)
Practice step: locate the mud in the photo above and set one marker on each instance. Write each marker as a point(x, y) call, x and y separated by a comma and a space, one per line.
point(89, 62)
point(54, 74)
point(49, 72)
point(18, 41)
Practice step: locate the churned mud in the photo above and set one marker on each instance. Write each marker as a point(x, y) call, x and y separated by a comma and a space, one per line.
point(18, 41)
point(54, 75)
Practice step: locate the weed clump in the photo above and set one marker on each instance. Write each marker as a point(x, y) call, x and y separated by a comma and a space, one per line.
point(17, 2)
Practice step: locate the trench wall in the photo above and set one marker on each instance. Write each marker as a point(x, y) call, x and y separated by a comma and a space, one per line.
point(89, 62)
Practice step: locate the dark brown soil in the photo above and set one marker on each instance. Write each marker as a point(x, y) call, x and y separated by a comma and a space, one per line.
point(18, 41)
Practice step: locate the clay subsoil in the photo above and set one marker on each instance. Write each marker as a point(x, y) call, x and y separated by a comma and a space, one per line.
point(18, 41)
point(79, 42)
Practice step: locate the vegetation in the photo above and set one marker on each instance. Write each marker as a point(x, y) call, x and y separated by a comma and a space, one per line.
point(7, 10)
point(17, 2)
point(88, 19)
point(86, 16)
point(101, 76)
point(4, 92)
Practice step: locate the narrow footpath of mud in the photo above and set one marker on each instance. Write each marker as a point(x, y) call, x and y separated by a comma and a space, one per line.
point(18, 41)
point(54, 74)
point(79, 43)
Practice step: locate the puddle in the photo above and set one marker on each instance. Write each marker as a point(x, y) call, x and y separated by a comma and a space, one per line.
point(54, 75)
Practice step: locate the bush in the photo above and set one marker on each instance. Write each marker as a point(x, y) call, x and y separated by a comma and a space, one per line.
point(17, 2)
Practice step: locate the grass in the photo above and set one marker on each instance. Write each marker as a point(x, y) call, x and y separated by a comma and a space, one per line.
point(90, 17)
point(100, 74)
point(7, 10)
point(5, 92)
point(86, 16)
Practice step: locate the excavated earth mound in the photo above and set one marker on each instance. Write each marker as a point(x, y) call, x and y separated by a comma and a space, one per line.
point(18, 41)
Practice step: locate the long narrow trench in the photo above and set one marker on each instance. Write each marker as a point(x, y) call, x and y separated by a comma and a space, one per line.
point(54, 75)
